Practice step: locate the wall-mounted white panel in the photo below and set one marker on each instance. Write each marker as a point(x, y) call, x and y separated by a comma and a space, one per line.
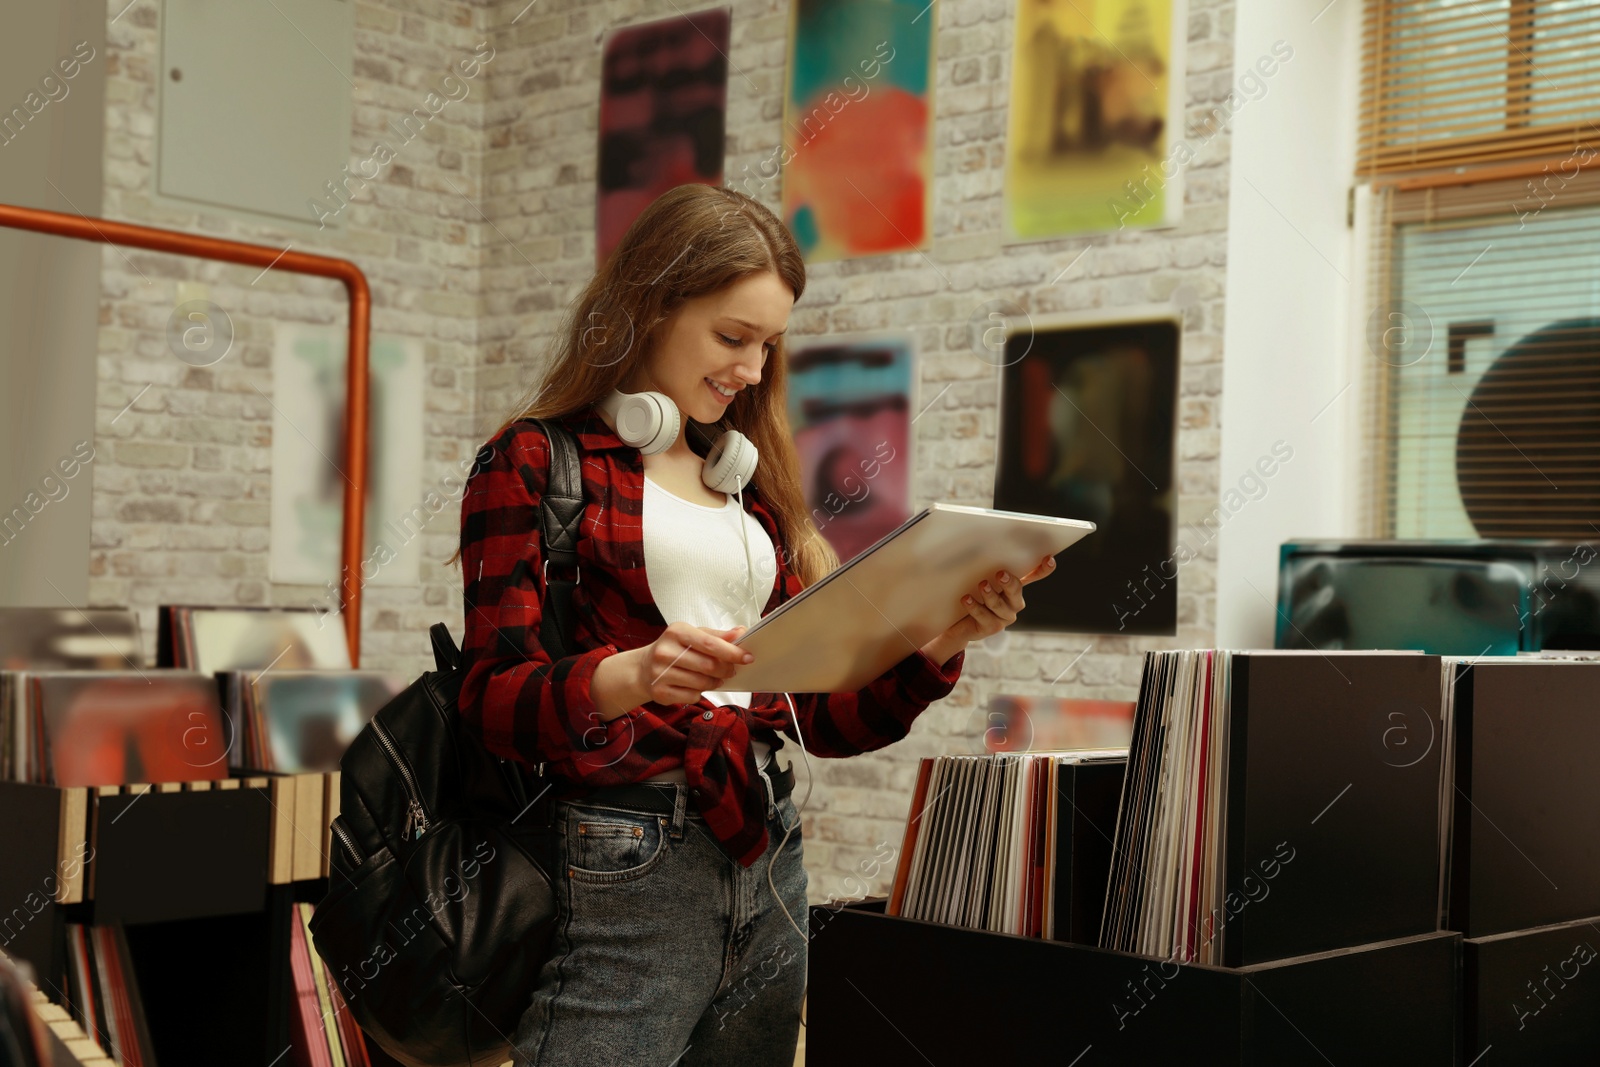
point(255, 102)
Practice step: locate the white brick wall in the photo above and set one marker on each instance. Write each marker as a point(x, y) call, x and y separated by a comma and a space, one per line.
point(182, 482)
point(182, 477)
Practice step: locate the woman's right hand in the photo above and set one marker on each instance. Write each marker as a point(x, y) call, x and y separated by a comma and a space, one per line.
point(675, 668)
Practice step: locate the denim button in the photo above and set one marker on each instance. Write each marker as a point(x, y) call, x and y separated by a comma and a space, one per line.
point(706, 715)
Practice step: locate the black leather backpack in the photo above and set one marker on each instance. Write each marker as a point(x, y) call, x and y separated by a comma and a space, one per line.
point(441, 899)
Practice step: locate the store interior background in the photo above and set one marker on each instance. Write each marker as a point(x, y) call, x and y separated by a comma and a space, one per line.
point(480, 232)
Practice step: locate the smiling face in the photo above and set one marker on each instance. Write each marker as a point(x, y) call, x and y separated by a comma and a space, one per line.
point(726, 337)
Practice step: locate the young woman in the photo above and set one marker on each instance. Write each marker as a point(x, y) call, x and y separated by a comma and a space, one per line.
point(678, 936)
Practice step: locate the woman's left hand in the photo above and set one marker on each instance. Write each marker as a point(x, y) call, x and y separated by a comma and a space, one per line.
point(991, 607)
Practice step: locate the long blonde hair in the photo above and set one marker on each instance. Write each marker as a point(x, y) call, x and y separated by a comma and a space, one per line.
point(692, 240)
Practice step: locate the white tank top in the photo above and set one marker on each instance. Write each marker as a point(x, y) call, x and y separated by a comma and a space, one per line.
point(693, 563)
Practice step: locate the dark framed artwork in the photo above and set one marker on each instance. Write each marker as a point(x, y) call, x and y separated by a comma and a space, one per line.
point(1088, 431)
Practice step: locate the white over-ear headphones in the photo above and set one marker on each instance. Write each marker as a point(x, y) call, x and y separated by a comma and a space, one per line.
point(650, 422)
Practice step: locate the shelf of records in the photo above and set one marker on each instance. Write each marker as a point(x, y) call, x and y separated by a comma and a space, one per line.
point(98, 1017)
point(34, 1031)
point(1290, 840)
point(162, 821)
point(236, 689)
point(109, 890)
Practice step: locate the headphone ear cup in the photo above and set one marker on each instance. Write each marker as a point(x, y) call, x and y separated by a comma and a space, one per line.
point(730, 464)
point(648, 421)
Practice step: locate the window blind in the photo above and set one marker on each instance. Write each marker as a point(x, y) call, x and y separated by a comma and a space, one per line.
point(1484, 333)
point(1450, 83)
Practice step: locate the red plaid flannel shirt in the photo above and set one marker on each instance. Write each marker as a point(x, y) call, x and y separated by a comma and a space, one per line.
point(527, 708)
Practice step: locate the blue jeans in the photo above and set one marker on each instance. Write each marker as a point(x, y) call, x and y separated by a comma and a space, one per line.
point(667, 953)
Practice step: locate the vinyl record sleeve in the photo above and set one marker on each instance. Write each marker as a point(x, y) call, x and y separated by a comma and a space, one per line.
point(933, 817)
point(856, 623)
point(908, 843)
point(94, 728)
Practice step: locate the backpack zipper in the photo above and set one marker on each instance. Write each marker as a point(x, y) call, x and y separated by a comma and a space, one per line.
point(344, 839)
point(416, 814)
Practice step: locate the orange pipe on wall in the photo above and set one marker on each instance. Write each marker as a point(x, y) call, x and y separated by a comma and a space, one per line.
point(83, 228)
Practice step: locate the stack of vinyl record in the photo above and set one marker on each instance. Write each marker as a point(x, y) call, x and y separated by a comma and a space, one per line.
point(300, 721)
point(979, 841)
point(103, 993)
point(92, 728)
point(1167, 881)
point(322, 1032)
point(1548, 687)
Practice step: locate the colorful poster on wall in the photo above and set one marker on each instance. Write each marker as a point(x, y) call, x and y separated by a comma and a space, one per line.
point(1096, 91)
point(663, 108)
point(850, 412)
point(857, 154)
point(1087, 431)
point(308, 459)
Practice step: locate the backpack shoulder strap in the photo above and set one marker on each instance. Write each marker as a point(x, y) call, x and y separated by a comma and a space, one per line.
point(560, 517)
point(446, 656)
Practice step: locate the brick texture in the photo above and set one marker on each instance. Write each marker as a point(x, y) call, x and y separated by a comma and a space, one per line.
point(183, 481)
point(482, 231)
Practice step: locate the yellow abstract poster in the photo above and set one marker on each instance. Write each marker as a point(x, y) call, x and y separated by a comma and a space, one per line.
point(1096, 86)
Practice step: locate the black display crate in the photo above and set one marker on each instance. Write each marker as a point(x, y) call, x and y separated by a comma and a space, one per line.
point(891, 991)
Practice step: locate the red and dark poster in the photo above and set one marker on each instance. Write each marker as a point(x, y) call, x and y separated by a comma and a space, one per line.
point(663, 109)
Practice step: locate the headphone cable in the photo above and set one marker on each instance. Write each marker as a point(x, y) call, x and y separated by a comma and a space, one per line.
point(794, 718)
